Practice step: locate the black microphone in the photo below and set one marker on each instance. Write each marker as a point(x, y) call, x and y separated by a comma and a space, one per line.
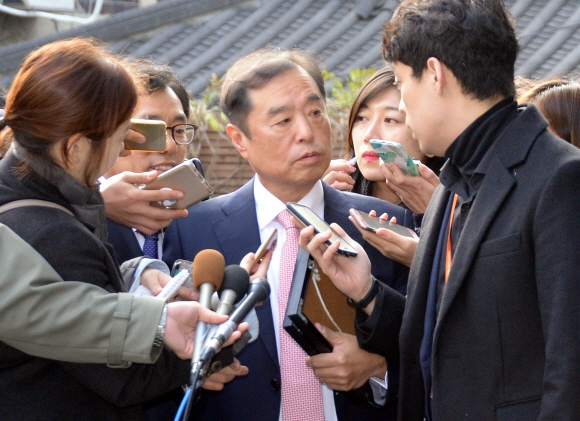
point(234, 286)
point(258, 292)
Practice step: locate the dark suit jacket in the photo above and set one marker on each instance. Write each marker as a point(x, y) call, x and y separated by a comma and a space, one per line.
point(229, 225)
point(506, 343)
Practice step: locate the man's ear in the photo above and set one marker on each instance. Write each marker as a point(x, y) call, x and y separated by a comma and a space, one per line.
point(238, 139)
point(436, 71)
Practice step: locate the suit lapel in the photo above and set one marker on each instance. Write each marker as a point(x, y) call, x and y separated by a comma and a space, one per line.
point(240, 227)
point(334, 201)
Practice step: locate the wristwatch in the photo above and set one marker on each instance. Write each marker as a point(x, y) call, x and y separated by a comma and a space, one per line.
point(160, 332)
point(367, 298)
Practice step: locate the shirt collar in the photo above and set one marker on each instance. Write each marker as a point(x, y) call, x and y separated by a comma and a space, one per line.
point(269, 206)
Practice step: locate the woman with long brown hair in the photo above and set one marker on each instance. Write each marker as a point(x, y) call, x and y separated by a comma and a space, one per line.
point(375, 114)
point(558, 99)
point(67, 113)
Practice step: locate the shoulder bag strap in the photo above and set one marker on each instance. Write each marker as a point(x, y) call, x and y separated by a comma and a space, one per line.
point(33, 202)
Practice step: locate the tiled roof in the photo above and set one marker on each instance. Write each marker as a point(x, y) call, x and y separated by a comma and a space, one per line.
point(201, 37)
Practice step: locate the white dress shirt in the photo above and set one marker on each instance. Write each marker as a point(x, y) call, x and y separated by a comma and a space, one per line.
point(267, 209)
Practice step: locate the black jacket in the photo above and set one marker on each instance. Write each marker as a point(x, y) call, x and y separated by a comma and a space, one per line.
point(40, 389)
point(506, 343)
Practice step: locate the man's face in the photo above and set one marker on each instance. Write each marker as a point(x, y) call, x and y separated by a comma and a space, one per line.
point(289, 144)
point(418, 101)
point(161, 105)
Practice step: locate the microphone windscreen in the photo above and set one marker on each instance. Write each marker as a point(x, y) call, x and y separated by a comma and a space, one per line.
point(237, 279)
point(208, 266)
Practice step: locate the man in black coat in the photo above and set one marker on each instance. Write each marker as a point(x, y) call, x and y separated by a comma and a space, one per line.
point(490, 326)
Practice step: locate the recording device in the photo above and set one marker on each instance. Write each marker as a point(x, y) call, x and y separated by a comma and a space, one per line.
point(393, 152)
point(155, 132)
point(233, 288)
point(265, 246)
point(173, 286)
point(185, 178)
point(307, 217)
point(373, 223)
point(208, 273)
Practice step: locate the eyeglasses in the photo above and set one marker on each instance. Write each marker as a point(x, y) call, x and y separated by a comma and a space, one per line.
point(183, 134)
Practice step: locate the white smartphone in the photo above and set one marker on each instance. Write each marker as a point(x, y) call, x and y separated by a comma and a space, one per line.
point(185, 178)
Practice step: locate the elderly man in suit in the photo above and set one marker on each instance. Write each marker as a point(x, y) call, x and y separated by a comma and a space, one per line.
point(275, 101)
point(490, 326)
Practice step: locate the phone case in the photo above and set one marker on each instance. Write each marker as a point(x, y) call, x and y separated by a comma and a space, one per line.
point(373, 223)
point(154, 132)
point(185, 178)
point(393, 152)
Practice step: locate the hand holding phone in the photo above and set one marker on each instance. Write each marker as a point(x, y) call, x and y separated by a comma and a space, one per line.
point(185, 178)
point(155, 132)
point(393, 152)
point(373, 223)
point(307, 217)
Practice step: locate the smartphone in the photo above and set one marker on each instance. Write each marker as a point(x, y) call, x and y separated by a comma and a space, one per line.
point(155, 132)
point(307, 217)
point(373, 223)
point(185, 178)
point(266, 245)
point(393, 152)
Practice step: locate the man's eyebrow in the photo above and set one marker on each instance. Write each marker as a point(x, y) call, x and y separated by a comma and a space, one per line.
point(277, 110)
point(314, 98)
point(180, 117)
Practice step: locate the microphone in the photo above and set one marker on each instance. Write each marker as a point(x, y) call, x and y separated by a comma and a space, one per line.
point(258, 292)
point(234, 286)
point(208, 272)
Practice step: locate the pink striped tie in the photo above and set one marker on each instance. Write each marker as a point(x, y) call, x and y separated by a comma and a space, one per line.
point(301, 393)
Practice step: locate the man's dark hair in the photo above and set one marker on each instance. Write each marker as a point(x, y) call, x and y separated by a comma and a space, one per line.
point(475, 39)
point(157, 76)
point(255, 71)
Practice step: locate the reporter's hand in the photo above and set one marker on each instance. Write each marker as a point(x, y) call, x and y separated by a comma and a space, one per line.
point(415, 192)
point(129, 205)
point(154, 280)
point(338, 175)
point(256, 269)
point(347, 366)
point(351, 275)
point(182, 318)
point(392, 245)
point(216, 381)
